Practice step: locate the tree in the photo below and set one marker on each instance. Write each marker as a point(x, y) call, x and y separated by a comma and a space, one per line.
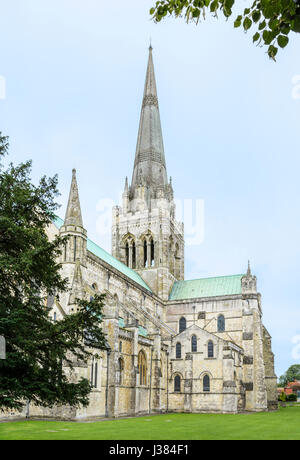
point(38, 350)
point(292, 374)
point(273, 19)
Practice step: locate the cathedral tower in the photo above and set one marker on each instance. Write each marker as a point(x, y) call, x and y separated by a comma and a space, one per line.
point(145, 233)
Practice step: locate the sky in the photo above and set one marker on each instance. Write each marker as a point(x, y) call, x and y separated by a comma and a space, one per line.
point(71, 83)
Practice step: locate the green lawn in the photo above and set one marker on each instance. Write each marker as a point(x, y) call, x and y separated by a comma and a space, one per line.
point(283, 424)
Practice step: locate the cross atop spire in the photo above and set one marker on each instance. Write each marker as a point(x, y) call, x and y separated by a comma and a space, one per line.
point(149, 166)
point(73, 212)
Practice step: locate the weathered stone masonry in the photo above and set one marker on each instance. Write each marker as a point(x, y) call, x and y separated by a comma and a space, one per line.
point(174, 345)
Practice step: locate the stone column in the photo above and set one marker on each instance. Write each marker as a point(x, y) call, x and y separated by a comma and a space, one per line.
point(260, 392)
point(134, 366)
point(156, 383)
point(111, 327)
point(230, 397)
point(248, 374)
point(148, 254)
point(130, 255)
point(188, 383)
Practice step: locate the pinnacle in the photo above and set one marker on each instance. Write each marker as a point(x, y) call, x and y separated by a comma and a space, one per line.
point(73, 212)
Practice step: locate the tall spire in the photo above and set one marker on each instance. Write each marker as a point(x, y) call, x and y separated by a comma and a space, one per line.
point(150, 166)
point(73, 213)
point(249, 269)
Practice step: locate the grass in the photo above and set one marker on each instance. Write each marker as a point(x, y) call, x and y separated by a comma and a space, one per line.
point(282, 424)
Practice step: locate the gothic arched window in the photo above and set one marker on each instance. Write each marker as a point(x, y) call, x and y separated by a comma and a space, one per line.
point(177, 383)
point(210, 349)
point(182, 324)
point(94, 373)
point(221, 323)
point(206, 383)
point(145, 254)
point(152, 253)
point(75, 247)
point(120, 371)
point(194, 343)
point(127, 254)
point(177, 261)
point(133, 255)
point(178, 350)
point(142, 364)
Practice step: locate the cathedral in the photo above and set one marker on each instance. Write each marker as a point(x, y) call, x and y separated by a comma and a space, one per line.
point(174, 345)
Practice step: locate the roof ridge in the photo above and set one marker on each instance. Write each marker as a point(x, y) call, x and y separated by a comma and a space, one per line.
point(209, 277)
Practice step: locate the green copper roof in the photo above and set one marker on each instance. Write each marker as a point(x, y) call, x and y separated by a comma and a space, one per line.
point(121, 322)
point(207, 287)
point(143, 331)
point(109, 259)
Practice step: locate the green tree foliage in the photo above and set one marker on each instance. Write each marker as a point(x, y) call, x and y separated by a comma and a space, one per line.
point(38, 350)
point(292, 374)
point(273, 20)
point(282, 397)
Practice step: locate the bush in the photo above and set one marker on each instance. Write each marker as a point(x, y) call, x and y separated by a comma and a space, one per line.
point(282, 397)
point(291, 397)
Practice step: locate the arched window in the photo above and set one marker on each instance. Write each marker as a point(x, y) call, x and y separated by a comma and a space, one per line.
point(152, 253)
point(210, 349)
point(133, 255)
point(142, 363)
point(178, 350)
point(182, 324)
point(221, 323)
point(145, 254)
point(177, 383)
point(75, 247)
point(94, 373)
point(177, 261)
point(127, 254)
point(206, 383)
point(120, 376)
point(194, 343)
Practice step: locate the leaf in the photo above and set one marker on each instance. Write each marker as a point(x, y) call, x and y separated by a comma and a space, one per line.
point(256, 15)
point(238, 21)
point(272, 51)
point(247, 23)
point(256, 37)
point(282, 41)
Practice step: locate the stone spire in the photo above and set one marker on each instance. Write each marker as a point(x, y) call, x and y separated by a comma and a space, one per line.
point(249, 269)
point(150, 165)
point(249, 282)
point(73, 213)
point(76, 245)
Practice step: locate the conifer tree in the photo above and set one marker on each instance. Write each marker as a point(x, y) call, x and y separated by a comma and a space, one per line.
point(38, 350)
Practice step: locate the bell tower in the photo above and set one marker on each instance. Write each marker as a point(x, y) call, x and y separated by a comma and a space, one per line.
point(145, 233)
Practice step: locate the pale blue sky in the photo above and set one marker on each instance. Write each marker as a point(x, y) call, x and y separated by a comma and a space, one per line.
point(74, 76)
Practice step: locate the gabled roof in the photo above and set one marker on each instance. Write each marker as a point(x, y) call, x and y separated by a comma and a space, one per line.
point(207, 287)
point(109, 259)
